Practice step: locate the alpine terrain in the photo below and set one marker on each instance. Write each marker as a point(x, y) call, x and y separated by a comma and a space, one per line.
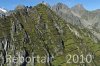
point(51, 32)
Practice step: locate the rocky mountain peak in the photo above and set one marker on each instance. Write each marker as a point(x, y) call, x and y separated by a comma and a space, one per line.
point(44, 3)
point(79, 7)
point(62, 6)
point(20, 7)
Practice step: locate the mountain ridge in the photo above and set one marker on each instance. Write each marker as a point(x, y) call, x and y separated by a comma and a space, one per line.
point(79, 16)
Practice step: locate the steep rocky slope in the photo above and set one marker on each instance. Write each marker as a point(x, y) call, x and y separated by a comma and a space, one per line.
point(66, 13)
point(32, 31)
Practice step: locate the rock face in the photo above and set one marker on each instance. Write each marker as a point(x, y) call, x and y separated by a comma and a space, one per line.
point(78, 9)
point(20, 7)
point(39, 31)
point(66, 13)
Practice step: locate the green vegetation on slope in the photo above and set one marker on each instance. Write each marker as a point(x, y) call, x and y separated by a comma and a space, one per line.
point(40, 31)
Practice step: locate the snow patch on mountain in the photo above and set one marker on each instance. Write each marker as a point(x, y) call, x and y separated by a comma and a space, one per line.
point(3, 10)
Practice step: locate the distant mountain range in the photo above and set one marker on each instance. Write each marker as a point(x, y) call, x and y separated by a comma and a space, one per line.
point(81, 17)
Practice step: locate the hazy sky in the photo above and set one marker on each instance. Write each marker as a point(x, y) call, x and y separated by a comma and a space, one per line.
point(88, 4)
